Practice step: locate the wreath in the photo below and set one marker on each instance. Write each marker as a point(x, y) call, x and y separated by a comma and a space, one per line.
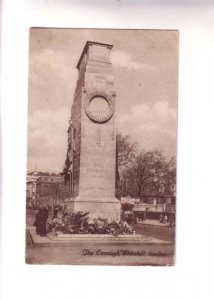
point(106, 97)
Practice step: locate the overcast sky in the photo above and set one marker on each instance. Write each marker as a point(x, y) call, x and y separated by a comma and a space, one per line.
point(145, 67)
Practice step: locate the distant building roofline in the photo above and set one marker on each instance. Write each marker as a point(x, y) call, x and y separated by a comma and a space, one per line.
point(43, 174)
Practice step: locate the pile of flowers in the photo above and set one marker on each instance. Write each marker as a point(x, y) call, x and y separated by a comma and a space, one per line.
point(78, 223)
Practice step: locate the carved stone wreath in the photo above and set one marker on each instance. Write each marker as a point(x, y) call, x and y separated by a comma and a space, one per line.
point(107, 98)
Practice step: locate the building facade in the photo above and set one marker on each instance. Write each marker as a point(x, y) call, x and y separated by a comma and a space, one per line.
point(31, 190)
point(45, 188)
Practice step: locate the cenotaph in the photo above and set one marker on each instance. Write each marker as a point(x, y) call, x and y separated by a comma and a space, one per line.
point(92, 136)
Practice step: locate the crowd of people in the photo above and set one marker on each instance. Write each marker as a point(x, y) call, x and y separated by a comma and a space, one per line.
point(167, 218)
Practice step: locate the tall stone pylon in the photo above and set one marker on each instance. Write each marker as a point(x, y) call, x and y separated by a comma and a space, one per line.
point(92, 135)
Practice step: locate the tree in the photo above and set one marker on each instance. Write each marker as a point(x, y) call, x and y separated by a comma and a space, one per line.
point(168, 178)
point(126, 151)
point(147, 174)
point(146, 166)
point(142, 172)
point(125, 155)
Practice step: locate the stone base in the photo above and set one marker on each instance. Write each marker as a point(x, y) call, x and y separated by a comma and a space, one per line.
point(107, 208)
point(97, 238)
point(72, 239)
point(98, 250)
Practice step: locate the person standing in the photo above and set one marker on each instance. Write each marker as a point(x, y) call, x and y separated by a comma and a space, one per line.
point(41, 220)
point(37, 220)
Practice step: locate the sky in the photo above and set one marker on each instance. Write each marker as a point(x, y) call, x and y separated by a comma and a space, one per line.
point(145, 69)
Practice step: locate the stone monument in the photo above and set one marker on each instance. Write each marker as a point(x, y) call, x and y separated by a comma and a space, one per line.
point(91, 157)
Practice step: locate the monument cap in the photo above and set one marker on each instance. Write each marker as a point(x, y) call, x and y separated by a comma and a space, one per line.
point(85, 49)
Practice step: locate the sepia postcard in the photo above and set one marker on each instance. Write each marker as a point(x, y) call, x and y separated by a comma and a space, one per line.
point(102, 146)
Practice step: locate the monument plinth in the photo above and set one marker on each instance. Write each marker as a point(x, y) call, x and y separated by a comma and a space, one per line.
point(92, 136)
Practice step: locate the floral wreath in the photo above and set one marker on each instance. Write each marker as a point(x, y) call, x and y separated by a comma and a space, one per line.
point(106, 97)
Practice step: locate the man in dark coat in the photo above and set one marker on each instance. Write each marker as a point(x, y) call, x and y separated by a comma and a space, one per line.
point(41, 220)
